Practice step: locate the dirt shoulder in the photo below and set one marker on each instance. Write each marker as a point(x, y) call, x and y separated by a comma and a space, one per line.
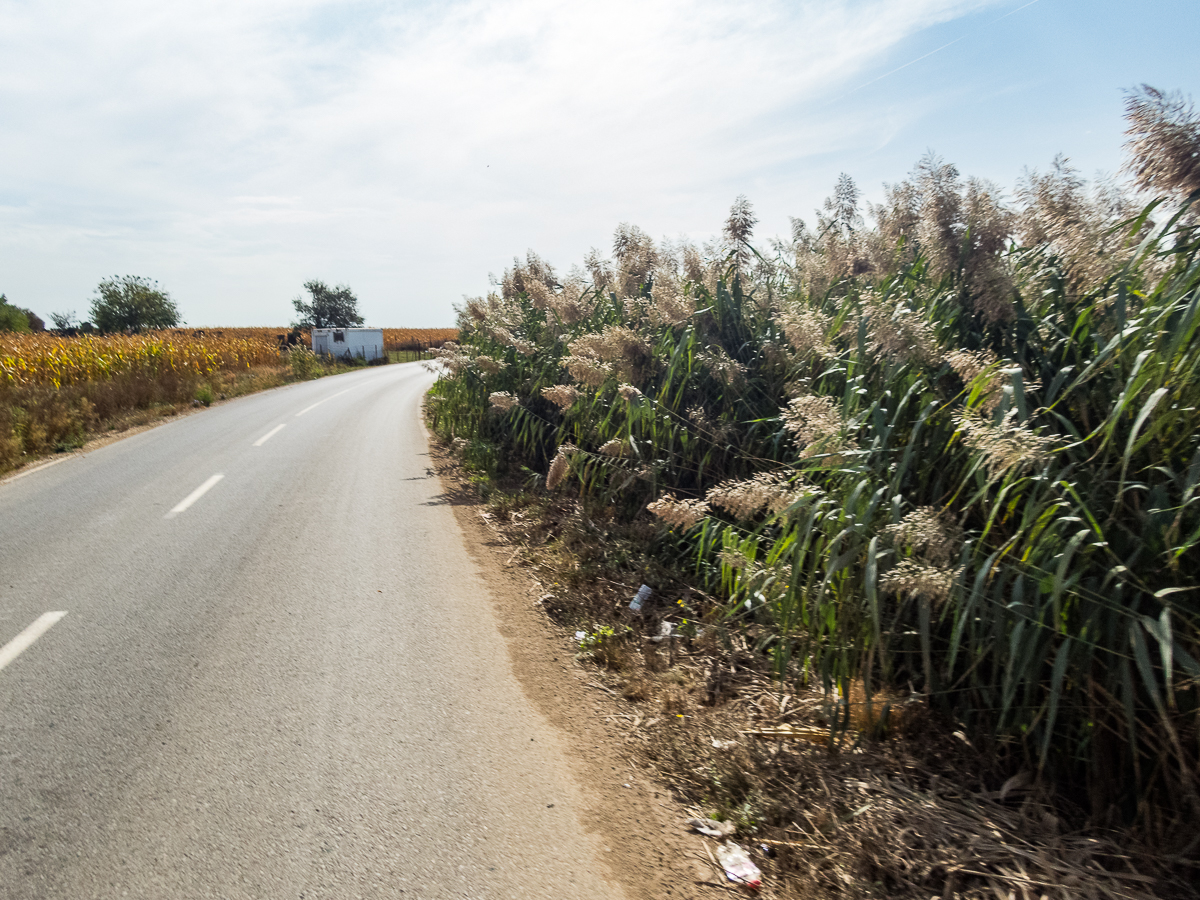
point(644, 829)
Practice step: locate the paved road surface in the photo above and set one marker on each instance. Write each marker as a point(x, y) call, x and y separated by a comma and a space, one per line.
point(291, 687)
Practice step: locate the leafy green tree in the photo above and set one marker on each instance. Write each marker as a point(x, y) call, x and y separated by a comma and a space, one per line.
point(329, 307)
point(12, 318)
point(132, 303)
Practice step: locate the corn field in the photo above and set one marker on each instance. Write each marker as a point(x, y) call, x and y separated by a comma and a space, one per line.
point(43, 359)
point(954, 452)
point(55, 390)
point(417, 339)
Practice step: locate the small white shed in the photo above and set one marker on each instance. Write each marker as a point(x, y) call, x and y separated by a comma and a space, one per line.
point(364, 343)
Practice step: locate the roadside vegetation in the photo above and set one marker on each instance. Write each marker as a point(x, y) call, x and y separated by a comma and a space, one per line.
point(935, 466)
point(58, 389)
point(130, 364)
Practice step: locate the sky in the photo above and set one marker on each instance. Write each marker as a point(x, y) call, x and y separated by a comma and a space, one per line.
point(232, 150)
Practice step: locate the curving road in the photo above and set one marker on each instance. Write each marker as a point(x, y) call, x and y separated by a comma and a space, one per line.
point(285, 681)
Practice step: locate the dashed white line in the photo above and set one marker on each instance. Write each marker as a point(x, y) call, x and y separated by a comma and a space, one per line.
point(194, 496)
point(270, 434)
point(22, 641)
point(330, 397)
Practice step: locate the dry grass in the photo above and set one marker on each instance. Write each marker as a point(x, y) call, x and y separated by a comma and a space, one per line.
point(915, 816)
point(393, 338)
point(38, 419)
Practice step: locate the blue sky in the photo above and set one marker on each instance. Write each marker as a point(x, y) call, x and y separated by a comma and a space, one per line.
point(234, 150)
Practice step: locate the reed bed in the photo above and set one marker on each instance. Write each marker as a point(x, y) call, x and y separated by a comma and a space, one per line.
point(954, 452)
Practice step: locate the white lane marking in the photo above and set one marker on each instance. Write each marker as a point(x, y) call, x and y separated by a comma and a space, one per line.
point(22, 641)
point(270, 434)
point(330, 397)
point(194, 496)
point(45, 465)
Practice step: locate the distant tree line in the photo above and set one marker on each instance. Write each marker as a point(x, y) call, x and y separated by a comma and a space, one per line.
point(130, 303)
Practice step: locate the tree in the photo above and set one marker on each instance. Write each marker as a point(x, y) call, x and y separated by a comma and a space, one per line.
point(12, 318)
point(132, 303)
point(330, 307)
point(63, 321)
point(36, 324)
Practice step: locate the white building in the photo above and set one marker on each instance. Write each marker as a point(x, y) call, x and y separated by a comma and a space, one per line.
point(365, 343)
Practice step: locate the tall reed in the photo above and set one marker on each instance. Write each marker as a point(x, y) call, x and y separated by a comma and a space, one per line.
point(957, 452)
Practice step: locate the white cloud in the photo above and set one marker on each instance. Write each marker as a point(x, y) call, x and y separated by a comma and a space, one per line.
point(232, 150)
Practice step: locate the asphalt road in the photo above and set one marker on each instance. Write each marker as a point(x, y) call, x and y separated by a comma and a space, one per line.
point(292, 686)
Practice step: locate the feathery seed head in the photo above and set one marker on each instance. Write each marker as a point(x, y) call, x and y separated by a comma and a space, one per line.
point(559, 466)
point(1009, 446)
point(679, 513)
point(599, 269)
point(617, 349)
point(765, 491)
point(805, 330)
point(693, 265)
point(899, 332)
point(733, 559)
point(561, 395)
point(671, 306)
point(816, 423)
point(911, 576)
point(1164, 141)
point(569, 304)
point(928, 533)
point(587, 371)
point(969, 365)
point(636, 257)
point(615, 447)
point(488, 366)
point(724, 367)
point(502, 400)
point(539, 294)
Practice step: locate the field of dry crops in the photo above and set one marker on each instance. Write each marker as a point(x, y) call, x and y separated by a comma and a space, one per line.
point(393, 338)
point(55, 390)
point(43, 359)
point(48, 359)
point(417, 338)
